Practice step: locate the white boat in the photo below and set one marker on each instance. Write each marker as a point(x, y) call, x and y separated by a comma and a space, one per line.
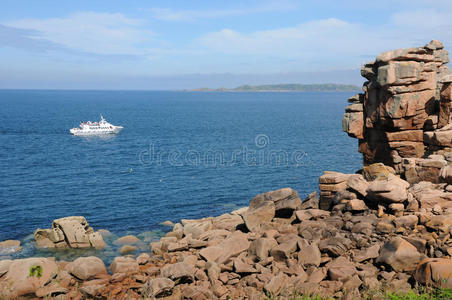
point(96, 128)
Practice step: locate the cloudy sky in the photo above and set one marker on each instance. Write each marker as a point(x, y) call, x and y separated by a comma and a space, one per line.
point(139, 44)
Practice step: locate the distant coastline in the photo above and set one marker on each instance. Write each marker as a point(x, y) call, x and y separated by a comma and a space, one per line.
point(293, 87)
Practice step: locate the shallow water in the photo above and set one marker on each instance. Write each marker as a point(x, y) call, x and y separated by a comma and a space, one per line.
point(180, 155)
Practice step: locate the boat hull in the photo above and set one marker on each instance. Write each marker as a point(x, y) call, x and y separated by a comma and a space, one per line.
point(80, 132)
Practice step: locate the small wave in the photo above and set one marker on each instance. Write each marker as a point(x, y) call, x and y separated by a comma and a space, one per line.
point(29, 132)
point(9, 250)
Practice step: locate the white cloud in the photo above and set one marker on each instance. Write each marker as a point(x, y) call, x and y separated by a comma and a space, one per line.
point(426, 19)
point(322, 44)
point(305, 37)
point(168, 14)
point(97, 33)
point(424, 25)
point(333, 43)
point(328, 43)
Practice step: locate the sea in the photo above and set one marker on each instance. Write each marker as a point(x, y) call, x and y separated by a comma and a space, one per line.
point(181, 155)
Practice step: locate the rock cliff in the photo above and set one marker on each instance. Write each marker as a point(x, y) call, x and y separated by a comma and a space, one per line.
point(405, 111)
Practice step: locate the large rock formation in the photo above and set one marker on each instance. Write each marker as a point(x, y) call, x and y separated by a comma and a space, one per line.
point(69, 232)
point(375, 230)
point(405, 111)
point(386, 227)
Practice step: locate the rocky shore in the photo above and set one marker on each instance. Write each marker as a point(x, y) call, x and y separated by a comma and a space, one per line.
point(386, 227)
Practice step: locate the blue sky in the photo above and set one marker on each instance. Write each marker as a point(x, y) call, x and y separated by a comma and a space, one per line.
point(187, 44)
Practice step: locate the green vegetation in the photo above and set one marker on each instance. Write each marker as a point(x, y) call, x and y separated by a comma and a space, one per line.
point(420, 293)
point(292, 87)
point(328, 87)
point(435, 294)
point(35, 271)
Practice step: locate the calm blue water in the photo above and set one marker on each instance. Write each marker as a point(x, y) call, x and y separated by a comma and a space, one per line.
point(161, 166)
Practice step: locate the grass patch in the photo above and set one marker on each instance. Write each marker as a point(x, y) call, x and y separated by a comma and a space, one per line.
point(35, 271)
point(423, 294)
point(420, 293)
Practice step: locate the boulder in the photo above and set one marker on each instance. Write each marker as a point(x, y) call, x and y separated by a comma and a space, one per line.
point(127, 249)
point(385, 227)
point(417, 242)
point(331, 177)
point(214, 235)
point(284, 250)
point(260, 248)
point(143, 258)
point(428, 195)
point(42, 239)
point(233, 246)
point(243, 265)
point(26, 276)
point(122, 264)
point(230, 247)
point(434, 45)
point(211, 253)
point(179, 272)
point(50, 290)
point(409, 221)
point(335, 246)
point(96, 240)
point(353, 124)
point(92, 291)
point(307, 214)
point(69, 232)
point(391, 189)
point(309, 254)
point(75, 230)
point(357, 183)
point(377, 171)
point(276, 284)
point(260, 212)
point(4, 266)
point(311, 201)
point(196, 228)
point(416, 54)
point(177, 232)
point(446, 174)
point(441, 222)
point(178, 246)
point(400, 255)
point(330, 183)
point(127, 240)
point(317, 275)
point(105, 233)
point(160, 287)
point(341, 269)
point(196, 292)
point(435, 272)
point(440, 137)
point(284, 199)
point(406, 135)
point(227, 222)
point(367, 253)
point(157, 247)
point(356, 205)
point(87, 268)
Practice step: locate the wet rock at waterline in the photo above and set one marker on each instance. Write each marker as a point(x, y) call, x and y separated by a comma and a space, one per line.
point(69, 232)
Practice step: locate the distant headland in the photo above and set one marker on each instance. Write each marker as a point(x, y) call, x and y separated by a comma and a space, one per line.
point(291, 87)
